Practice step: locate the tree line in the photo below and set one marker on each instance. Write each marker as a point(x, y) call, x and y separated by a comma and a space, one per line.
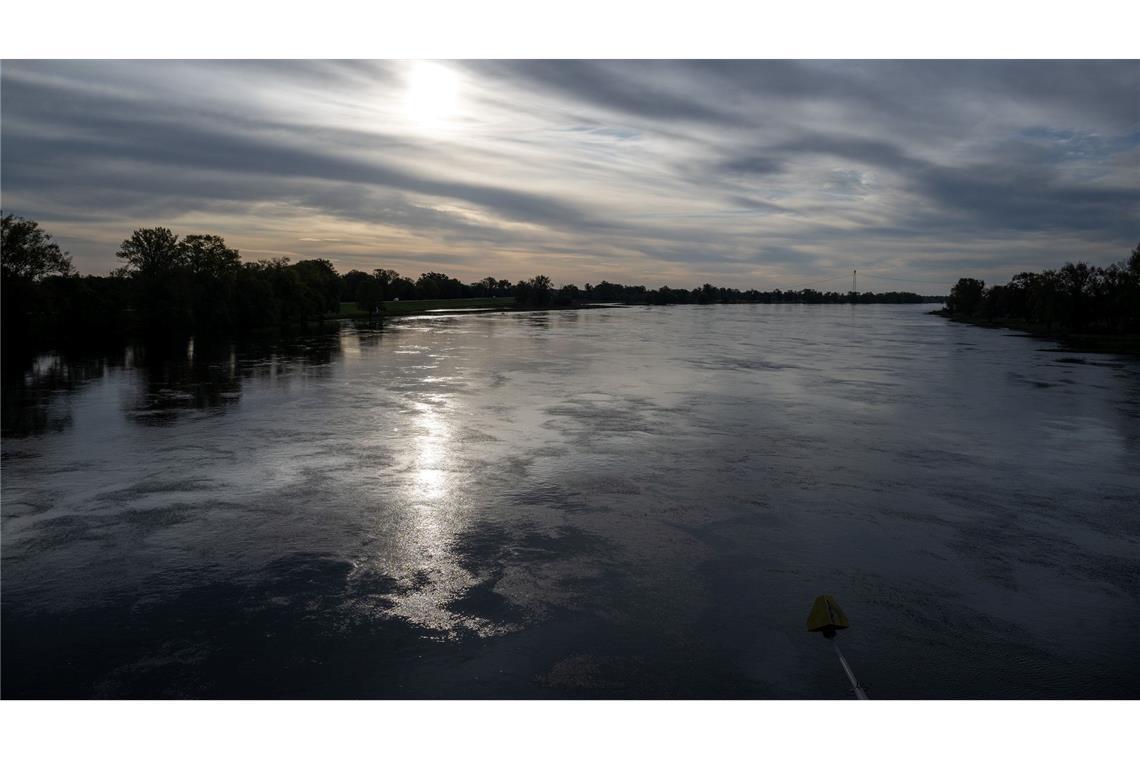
point(196, 283)
point(166, 283)
point(371, 290)
point(711, 294)
point(1078, 298)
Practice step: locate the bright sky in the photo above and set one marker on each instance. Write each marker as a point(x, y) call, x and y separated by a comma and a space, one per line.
point(750, 174)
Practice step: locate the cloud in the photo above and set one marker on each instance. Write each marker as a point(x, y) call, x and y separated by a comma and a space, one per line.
point(650, 94)
point(762, 173)
point(752, 165)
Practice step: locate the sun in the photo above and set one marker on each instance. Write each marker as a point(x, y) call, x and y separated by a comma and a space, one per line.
point(432, 94)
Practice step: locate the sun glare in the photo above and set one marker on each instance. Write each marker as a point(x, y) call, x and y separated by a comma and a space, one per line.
point(432, 94)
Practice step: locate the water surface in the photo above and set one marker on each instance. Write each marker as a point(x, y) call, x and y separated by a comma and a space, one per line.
point(636, 502)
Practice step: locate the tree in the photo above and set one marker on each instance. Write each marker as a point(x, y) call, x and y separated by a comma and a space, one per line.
point(401, 287)
point(1046, 303)
point(393, 286)
point(567, 295)
point(351, 282)
point(152, 251)
point(537, 291)
point(437, 285)
point(213, 269)
point(257, 303)
point(370, 295)
point(966, 296)
point(488, 286)
point(320, 287)
point(27, 252)
point(207, 256)
point(386, 277)
point(161, 282)
point(1078, 297)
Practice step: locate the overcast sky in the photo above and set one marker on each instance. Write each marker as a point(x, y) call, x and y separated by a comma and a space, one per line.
point(750, 174)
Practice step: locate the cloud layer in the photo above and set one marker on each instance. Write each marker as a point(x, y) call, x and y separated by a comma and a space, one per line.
point(756, 174)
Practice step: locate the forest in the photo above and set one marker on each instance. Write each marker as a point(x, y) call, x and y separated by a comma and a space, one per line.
point(196, 283)
point(1077, 298)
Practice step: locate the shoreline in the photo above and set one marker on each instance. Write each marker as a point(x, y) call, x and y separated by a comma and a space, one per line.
point(409, 308)
point(428, 310)
point(1093, 343)
point(15, 344)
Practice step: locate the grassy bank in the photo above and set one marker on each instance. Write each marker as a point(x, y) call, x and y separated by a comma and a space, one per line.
point(1070, 341)
point(349, 309)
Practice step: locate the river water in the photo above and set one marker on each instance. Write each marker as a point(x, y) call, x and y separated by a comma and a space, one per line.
point(634, 502)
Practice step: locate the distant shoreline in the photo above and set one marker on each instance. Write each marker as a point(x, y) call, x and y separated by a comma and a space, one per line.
point(448, 307)
point(1096, 343)
point(348, 310)
point(27, 343)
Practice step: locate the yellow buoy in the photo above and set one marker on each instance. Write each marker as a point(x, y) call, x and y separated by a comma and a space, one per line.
point(826, 616)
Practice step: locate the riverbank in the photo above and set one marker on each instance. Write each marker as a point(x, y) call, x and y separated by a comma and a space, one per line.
point(444, 306)
point(1097, 343)
point(349, 310)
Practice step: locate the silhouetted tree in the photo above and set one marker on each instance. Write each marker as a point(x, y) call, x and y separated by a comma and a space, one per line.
point(350, 282)
point(489, 287)
point(27, 256)
point(319, 286)
point(158, 266)
point(435, 285)
point(385, 276)
point(567, 295)
point(708, 294)
point(207, 256)
point(965, 297)
point(152, 251)
point(370, 295)
point(214, 271)
point(393, 286)
point(27, 252)
point(535, 292)
point(199, 284)
point(1078, 297)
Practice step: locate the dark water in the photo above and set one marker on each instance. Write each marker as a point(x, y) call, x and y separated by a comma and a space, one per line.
point(622, 503)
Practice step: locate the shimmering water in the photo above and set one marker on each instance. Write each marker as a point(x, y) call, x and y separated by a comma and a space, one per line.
point(635, 502)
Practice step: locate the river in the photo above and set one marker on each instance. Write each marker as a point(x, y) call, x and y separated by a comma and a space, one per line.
point(624, 503)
